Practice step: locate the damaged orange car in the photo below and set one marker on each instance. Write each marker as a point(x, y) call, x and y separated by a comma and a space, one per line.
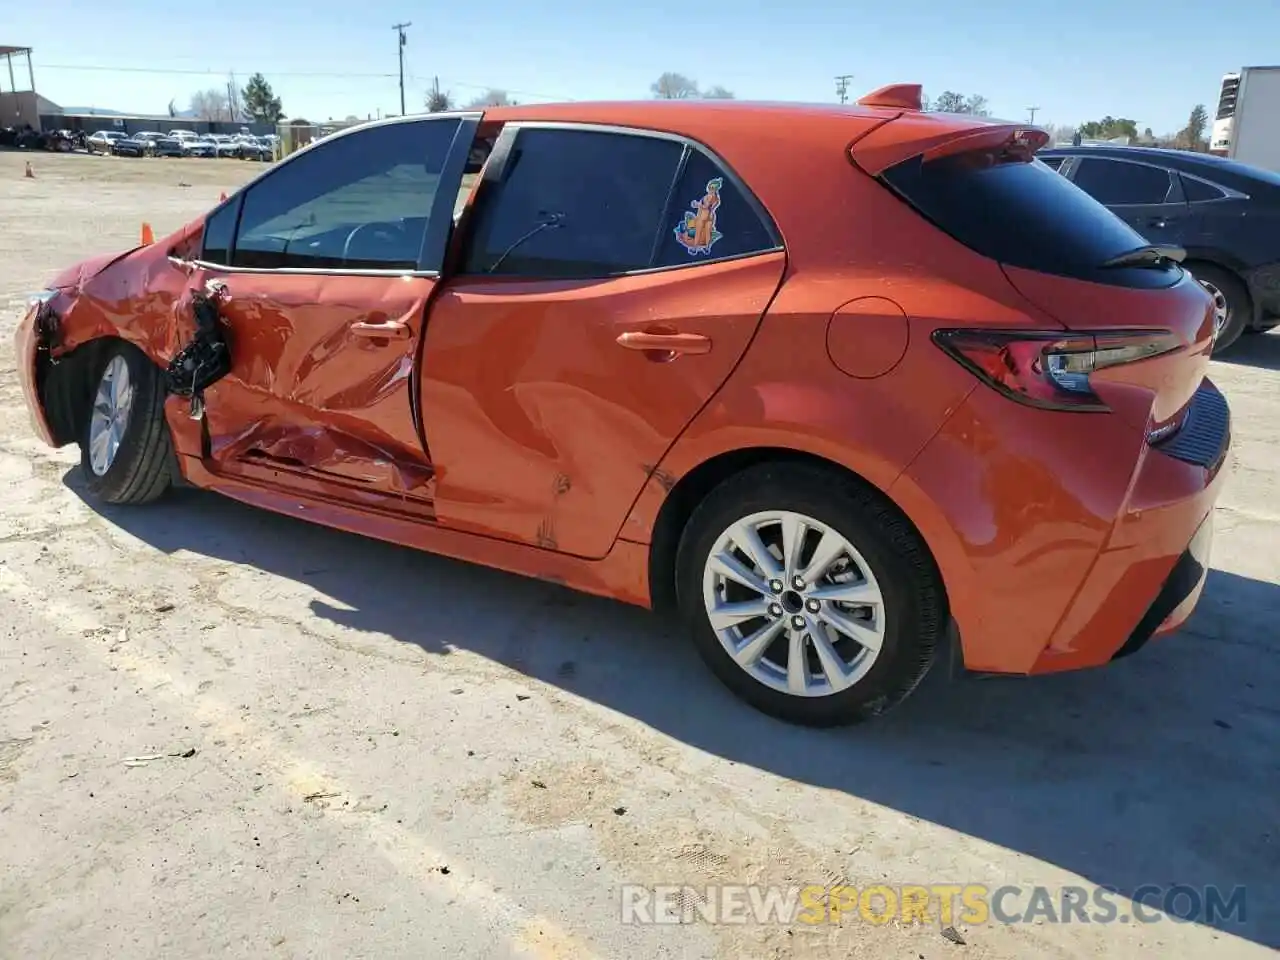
point(849, 388)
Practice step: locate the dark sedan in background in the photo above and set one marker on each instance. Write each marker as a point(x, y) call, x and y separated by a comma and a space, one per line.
point(1226, 215)
point(160, 145)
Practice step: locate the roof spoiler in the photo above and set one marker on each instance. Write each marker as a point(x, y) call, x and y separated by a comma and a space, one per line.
point(932, 137)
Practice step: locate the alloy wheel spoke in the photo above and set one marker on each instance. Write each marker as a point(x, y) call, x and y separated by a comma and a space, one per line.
point(731, 614)
point(828, 551)
point(729, 566)
point(748, 539)
point(793, 531)
point(860, 594)
point(752, 649)
point(832, 666)
point(797, 668)
point(861, 633)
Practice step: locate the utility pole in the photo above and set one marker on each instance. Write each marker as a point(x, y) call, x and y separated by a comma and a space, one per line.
point(1032, 112)
point(400, 28)
point(842, 86)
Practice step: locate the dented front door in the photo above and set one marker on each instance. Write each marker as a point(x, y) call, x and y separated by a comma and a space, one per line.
point(320, 379)
point(328, 264)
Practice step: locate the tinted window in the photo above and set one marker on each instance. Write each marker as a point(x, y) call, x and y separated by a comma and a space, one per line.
point(576, 203)
point(1053, 163)
point(218, 229)
point(1197, 190)
point(1118, 182)
point(361, 200)
point(1024, 215)
point(710, 218)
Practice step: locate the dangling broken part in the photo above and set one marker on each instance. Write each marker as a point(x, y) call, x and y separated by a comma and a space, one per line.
point(207, 358)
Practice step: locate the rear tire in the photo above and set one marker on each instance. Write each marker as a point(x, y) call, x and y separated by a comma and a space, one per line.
point(126, 450)
point(866, 623)
point(1232, 304)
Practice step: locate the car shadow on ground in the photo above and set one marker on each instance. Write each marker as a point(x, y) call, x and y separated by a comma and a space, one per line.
point(1159, 769)
point(1255, 350)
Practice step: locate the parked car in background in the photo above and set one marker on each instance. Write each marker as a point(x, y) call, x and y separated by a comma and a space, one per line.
point(1224, 214)
point(199, 145)
point(103, 141)
point(848, 386)
point(225, 146)
point(254, 148)
point(134, 145)
point(160, 145)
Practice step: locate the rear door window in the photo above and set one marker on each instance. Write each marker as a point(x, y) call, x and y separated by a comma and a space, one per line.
point(576, 203)
point(1118, 182)
point(1022, 214)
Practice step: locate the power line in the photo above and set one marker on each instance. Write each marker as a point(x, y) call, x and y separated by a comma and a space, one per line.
point(1032, 113)
point(400, 28)
point(212, 72)
point(273, 74)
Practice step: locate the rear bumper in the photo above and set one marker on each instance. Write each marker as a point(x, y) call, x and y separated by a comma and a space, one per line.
point(1060, 538)
point(1148, 578)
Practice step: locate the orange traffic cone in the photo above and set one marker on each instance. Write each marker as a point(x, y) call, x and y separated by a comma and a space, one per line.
point(147, 235)
point(29, 173)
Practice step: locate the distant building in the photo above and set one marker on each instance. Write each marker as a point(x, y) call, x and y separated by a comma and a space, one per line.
point(19, 102)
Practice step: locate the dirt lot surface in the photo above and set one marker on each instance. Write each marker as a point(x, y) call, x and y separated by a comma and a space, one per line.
point(401, 756)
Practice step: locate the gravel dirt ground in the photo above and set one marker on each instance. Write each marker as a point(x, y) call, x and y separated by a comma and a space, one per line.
point(401, 756)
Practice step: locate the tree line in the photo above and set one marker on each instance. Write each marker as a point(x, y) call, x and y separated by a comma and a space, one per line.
point(1193, 136)
point(258, 102)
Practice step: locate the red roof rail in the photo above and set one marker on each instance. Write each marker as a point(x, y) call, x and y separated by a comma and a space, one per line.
point(897, 96)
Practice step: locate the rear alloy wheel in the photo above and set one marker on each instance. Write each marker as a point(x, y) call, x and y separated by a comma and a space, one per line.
point(1232, 307)
point(809, 596)
point(126, 451)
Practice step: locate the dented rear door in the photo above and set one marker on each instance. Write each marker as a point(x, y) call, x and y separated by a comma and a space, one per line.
point(612, 282)
point(328, 263)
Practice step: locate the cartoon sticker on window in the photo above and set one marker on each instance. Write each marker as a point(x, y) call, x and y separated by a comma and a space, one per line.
point(697, 231)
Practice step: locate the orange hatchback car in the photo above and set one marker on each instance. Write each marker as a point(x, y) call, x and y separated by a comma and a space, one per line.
point(849, 388)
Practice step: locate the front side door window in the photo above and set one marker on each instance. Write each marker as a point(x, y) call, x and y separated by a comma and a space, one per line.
point(365, 200)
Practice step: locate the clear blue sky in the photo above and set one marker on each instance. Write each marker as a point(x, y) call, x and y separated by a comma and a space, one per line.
point(1075, 61)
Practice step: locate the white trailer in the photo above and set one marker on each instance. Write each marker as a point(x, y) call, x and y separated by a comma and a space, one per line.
point(1247, 126)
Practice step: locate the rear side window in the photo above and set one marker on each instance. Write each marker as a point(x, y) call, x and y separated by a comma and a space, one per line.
point(710, 217)
point(1197, 191)
point(1023, 214)
point(1116, 182)
point(1053, 163)
point(575, 204)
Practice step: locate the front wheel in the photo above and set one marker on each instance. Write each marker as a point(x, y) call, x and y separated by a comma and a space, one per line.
point(126, 450)
point(808, 595)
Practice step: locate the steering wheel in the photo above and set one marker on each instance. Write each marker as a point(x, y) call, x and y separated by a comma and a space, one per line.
point(389, 230)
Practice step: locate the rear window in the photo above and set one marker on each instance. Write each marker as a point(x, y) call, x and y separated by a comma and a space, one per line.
point(1023, 214)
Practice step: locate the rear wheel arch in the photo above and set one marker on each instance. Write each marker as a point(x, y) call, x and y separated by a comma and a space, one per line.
point(694, 486)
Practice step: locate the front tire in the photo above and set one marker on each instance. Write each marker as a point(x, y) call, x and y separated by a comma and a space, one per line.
point(126, 450)
point(808, 595)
